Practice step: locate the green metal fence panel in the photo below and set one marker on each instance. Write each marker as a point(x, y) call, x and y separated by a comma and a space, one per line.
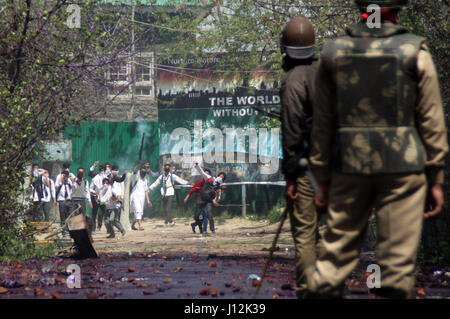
point(114, 142)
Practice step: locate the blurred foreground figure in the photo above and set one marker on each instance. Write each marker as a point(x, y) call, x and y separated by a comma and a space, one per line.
point(379, 140)
point(300, 66)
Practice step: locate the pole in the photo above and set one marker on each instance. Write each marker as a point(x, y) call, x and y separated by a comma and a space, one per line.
point(132, 64)
point(244, 200)
point(272, 249)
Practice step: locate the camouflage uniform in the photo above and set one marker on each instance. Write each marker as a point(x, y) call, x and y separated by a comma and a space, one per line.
point(296, 101)
point(378, 128)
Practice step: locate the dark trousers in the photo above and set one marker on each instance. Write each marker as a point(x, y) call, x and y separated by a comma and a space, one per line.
point(197, 220)
point(65, 208)
point(112, 218)
point(37, 212)
point(97, 218)
point(206, 211)
point(109, 218)
point(47, 206)
point(94, 211)
point(166, 204)
point(101, 216)
point(117, 222)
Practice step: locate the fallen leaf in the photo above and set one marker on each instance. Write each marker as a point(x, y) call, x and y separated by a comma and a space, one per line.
point(212, 264)
point(131, 269)
point(188, 293)
point(421, 292)
point(92, 295)
point(38, 292)
point(215, 292)
point(255, 282)
point(56, 296)
point(205, 292)
point(3, 290)
point(130, 279)
point(148, 292)
point(276, 296)
point(209, 283)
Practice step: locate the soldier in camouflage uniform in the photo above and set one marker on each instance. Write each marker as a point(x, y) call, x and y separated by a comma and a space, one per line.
point(300, 65)
point(379, 140)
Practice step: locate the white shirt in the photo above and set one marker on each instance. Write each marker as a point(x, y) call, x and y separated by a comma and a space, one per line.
point(118, 188)
point(108, 197)
point(47, 194)
point(140, 186)
point(70, 173)
point(64, 188)
point(168, 183)
point(97, 182)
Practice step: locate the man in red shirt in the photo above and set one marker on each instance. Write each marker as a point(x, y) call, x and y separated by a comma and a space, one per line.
point(197, 188)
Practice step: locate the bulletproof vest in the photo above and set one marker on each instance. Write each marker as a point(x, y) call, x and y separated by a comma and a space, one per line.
point(80, 190)
point(374, 74)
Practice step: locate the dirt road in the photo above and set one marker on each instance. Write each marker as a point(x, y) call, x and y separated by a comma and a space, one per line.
point(172, 263)
point(236, 236)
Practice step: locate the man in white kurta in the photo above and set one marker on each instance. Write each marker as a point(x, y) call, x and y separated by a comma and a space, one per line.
point(139, 192)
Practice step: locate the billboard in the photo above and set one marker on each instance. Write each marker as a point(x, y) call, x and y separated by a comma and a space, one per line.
point(216, 120)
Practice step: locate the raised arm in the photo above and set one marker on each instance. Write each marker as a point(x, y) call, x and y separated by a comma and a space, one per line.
point(152, 174)
point(91, 173)
point(201, 172)
point(120, 179)
point(137, 166)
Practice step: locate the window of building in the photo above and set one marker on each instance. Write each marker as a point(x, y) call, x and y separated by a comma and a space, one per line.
point(120, 75)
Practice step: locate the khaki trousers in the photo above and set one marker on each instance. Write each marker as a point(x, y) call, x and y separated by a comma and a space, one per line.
point(399, 201)
point(303, 217)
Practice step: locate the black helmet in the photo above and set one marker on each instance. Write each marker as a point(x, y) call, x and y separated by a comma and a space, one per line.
point(298, 38)
point(384, 4)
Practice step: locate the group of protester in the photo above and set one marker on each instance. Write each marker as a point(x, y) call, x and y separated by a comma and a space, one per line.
point(105, 194)
point(207, 191)
point(70, 194)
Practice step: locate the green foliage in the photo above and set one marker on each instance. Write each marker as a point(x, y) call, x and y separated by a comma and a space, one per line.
point(14, 246)
point(274, 215)
point(51, 76)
